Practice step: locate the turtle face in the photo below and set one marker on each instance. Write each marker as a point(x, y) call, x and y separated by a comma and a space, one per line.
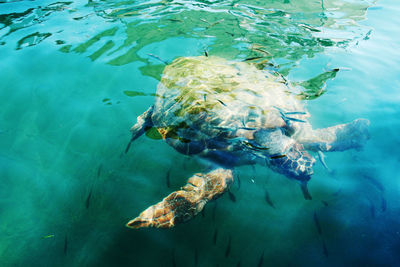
point(283, 154)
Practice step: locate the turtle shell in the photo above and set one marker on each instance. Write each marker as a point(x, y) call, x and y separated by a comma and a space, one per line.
point(204, 98)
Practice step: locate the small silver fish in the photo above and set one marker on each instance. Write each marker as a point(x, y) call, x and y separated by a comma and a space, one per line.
point(321, 158)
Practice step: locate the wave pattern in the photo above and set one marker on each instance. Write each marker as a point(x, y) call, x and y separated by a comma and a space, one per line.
point(284, 31)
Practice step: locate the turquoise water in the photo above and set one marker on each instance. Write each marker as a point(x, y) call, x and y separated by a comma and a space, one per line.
point(75, 75)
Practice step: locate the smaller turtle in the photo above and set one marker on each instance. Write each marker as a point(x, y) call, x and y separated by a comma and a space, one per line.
point(231, 113)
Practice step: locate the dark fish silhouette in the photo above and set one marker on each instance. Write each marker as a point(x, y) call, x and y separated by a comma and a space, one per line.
point(167, 178)
point(196, 257)
point(304, 190)
point(203, 213)
point(316, 221)
point(252, 58)
point(325, 203)
point(175, 20)
point(222, 103)
point(238, 181)
point(278, 156)
point(372, 209)
point(324, 249)
point(261, 260)
point(293, 119)
point(231, 196)
point(374, 182)
point(262, 51)
point(215, 236)
point(239, 264)
point(88, 198)
point(268, 199)
point(99, 170)
point(321, 158)
point(383, 204)
point(157, 57)
point(254, 147)
point(205, 53)
point(295, 113)
point(337, 192)
point(65, 245)
point(228, 248)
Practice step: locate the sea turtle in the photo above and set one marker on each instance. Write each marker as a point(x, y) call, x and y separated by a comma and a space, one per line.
point(232, 113)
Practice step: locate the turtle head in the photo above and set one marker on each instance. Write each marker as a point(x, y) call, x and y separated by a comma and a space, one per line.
point(284, 155)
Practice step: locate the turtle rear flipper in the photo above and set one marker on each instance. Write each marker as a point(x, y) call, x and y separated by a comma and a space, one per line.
point(144, 122)
point(337, 138)
point(182, 205)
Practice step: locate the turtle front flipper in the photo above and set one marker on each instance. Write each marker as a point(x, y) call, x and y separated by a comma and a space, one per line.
point(143, 123)
point(182, 205)
point(336, 138)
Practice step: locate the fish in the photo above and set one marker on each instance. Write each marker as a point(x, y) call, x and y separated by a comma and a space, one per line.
point(48, 236)
point(268, 199)
point(374, 182)
point(254, 147)
point(203, 213)
point(157, 57)
point(238, 181)
point(239, 264)
point(175, 20)
point(217, 22)
point(262, 51)
point(321, 157)
point(337, 192)
point(167, 178)
point(228, 248)
point(252, 58)
point(324, 249)
point(317, 224)
point(215, 237)
point(99, 170)
point(304, 190)
point(261, 260)
point(325, 203)
point(286, 118)
point(88, 198)
point(278, 156)
point(196, 257)
point(205, 53)
point(372, 209)
point(295, 113)
point(222, 103)
point(383, 204)
point(293, 119)
point(231, 196)
point(65, 245)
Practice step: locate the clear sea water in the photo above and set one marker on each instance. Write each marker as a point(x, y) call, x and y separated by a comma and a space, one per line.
point(74, 76)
